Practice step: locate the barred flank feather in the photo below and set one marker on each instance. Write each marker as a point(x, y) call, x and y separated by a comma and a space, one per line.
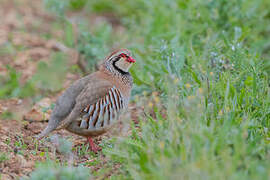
point(104, 112)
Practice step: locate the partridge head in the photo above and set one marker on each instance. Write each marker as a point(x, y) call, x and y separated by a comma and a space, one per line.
point(92, 104)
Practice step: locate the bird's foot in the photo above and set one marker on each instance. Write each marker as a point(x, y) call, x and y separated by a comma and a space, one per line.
point(95, 148)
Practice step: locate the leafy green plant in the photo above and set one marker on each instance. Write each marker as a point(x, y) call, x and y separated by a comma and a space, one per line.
point(6, 115)
point(185, 146)
point(51, 76)
point(92, 46)
point(3, 157)
point(11, 87)
point(77, 4)
point(57, 7)
point(11, 84)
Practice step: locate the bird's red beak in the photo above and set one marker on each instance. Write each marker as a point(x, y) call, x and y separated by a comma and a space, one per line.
point(131, 60)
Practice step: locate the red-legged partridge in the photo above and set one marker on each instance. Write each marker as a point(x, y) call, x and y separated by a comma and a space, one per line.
point(93, 103)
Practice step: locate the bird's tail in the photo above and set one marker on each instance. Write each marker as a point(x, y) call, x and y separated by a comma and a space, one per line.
point(51, 127)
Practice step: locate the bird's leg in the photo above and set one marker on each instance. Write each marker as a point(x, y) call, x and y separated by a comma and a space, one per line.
point(92, 145)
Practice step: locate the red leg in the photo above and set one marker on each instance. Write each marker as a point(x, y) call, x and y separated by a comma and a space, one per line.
point(93, 146)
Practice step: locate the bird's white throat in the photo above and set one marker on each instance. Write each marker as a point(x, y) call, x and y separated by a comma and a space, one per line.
point(123, 65)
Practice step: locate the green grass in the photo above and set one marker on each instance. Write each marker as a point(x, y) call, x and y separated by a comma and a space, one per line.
point(53, 171)
point(3, 157)
point(49, 77)
point(202, 76)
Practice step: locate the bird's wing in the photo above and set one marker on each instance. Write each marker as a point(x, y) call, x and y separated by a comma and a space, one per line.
point(91, 94)
point(96, 118)
point(64, 105)
point(66, 102)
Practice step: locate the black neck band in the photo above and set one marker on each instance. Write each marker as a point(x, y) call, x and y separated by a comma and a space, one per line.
point(117, 68)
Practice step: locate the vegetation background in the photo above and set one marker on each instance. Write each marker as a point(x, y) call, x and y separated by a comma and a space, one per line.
point(200, 106)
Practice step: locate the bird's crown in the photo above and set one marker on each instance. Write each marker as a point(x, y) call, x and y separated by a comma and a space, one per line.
point(125, 53)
